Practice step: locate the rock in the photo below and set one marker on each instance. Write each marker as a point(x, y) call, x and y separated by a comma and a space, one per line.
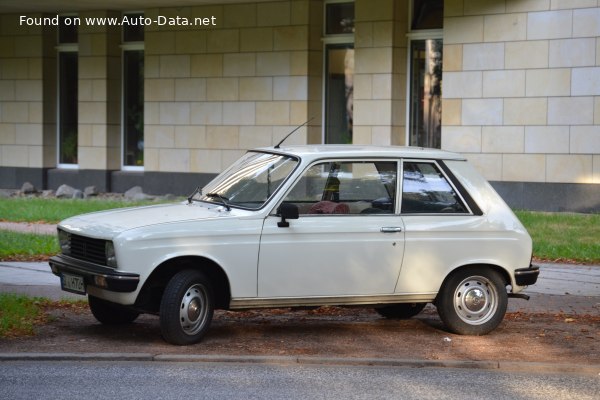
point(77, 194)
point(65, 192)
point(90, 191)
point(142, 197)
point(6, 193)
point(169, 197)
point(131, 193)
point(47, 193)
point(28, 188)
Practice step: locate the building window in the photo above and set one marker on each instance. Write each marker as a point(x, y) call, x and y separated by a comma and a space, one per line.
point(426, 93)
point(425, 76)
point(339, 18)
point(339, 72)
point(67, 93)
point(427, 14)
point(339, 93)
point(133, 94)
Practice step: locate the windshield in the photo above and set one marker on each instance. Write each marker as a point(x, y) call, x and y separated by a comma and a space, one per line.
point(250, 182)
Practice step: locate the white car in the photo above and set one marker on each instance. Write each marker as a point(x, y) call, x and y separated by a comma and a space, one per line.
point(392, 228)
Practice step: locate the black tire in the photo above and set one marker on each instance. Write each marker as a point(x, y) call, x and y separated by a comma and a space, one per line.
point(110, 313)
point(186, 308)
point(473, 301)
point(401, 311)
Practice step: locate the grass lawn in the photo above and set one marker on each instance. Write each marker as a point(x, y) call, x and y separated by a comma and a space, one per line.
point(564, 236)
point(556, 236)
point(20, 314)
point(26, 246)
point(55, 210)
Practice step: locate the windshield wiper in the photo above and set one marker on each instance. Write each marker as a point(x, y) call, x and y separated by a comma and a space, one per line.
point(191, 196)
point(222, 199)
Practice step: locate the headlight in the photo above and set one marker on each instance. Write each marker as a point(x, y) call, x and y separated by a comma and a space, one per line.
point(109, 251)
point(64, 241)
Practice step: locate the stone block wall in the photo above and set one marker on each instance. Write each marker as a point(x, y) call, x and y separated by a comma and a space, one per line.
point(99, 86)
point(521, 91)
point(522, 88)
point(21, 95)
point(213, 92)
point(380, 72)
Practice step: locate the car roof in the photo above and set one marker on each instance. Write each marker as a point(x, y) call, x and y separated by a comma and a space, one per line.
point(336, 150)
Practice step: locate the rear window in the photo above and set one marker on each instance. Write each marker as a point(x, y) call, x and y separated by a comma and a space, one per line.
point(425, 190)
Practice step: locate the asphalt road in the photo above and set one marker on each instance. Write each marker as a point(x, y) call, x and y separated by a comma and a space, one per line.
point(162, 380)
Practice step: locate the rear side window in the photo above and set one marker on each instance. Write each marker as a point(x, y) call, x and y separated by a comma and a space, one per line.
point(425, 190)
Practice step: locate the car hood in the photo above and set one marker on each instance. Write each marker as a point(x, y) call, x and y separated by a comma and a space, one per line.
point(107, 224)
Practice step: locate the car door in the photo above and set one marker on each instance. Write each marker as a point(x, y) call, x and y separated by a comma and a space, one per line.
point(443, 228)
point(348, 239)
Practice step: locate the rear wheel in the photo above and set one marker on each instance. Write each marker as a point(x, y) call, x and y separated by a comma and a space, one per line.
point(110, 313)
point(401, 311)
point(473, 301)
point(187, 307)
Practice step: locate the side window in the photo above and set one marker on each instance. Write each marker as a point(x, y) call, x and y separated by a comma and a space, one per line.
point(345, 187)
point(425, 190)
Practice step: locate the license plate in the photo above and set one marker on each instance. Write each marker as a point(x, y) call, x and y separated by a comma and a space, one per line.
point(73, 283)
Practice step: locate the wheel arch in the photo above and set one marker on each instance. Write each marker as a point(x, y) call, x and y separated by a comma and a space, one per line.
point(503, 273)
point(151, 293)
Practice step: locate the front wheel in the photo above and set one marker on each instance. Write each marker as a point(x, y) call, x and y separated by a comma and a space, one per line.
point(473, 301)
point(186, 308)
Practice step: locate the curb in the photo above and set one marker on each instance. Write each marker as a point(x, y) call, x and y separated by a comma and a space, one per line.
point(76, 357)
point(515, 366)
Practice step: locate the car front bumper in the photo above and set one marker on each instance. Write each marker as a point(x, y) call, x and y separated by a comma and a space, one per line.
point(527, 276)
point(94, 274)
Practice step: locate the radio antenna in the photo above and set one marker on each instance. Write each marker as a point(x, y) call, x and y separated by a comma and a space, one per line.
point(289, 134)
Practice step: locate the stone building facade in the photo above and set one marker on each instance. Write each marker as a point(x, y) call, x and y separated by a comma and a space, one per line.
point(167, 106)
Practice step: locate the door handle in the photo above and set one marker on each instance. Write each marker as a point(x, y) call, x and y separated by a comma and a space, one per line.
point(391, 229)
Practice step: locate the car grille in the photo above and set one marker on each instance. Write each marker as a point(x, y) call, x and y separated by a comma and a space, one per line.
point(88, 249)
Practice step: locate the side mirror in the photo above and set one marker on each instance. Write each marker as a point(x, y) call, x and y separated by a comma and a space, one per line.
point(287, 211)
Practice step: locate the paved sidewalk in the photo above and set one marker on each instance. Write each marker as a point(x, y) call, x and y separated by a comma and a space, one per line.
point(560, 287)
point(26, 227)
point(33, 279)
point(573, 289)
